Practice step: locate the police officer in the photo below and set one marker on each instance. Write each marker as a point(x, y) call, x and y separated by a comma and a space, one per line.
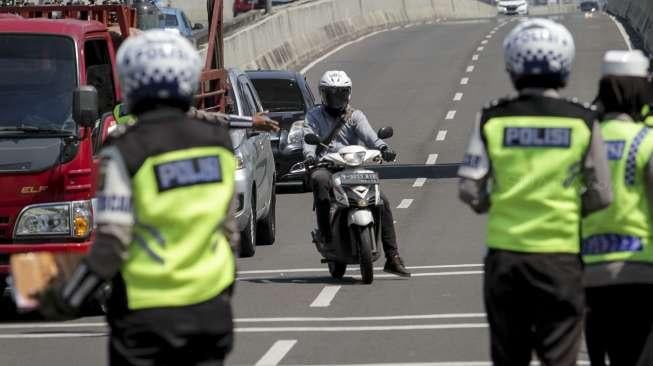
point(536, 163)
point(165, 189)
point(616, 246)
point(338, 124)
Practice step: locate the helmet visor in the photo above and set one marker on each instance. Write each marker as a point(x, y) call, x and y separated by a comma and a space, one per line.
point(336, 98)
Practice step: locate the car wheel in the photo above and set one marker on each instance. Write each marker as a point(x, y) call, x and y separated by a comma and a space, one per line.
point(267, 228)
point(248, 236)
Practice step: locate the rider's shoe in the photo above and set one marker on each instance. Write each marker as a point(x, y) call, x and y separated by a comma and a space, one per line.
point(395, 265)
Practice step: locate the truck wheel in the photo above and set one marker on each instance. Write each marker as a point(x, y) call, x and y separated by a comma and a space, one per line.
point(267, 228)
point(337, 270)
point(248, 236)
point(365, 255)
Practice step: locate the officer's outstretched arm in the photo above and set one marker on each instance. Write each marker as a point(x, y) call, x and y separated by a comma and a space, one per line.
point(596, 172)
point(475, 173)
point(114, 218)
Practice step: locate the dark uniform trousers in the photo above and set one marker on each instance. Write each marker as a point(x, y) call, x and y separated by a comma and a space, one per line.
point(624, 315)
point(534, 303)
point(322, 186)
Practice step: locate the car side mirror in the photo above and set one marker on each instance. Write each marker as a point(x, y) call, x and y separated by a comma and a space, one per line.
point(86, 110)
point(198, 26)
point(385, 133)
point(312, 139)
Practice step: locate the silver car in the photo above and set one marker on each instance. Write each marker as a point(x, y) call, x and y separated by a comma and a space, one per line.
point(255, 174)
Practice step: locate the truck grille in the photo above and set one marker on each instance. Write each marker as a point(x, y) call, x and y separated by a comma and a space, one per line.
point(511, 8)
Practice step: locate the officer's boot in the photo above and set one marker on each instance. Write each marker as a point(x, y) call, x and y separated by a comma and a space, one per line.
point(395, 265)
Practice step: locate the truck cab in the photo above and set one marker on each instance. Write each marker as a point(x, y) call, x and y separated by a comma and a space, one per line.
point(48, 155)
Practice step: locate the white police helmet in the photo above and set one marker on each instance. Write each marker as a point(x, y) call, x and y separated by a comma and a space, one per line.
point(625, 63)
point(539, 48)
point(158, 65)
point(335, 89)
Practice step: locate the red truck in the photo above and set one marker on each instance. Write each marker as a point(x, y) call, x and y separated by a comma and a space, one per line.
point(58, 89)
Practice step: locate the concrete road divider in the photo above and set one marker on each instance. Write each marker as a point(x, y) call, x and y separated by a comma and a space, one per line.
point(297, 34)
point(639, 15)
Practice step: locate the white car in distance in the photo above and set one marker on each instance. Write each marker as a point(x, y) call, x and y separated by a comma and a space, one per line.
point(512, 7)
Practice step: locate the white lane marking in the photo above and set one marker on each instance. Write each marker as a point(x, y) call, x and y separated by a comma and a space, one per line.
point(442, 134)
point(623, 32)
point(409, 25)
point(441, 363)
point(276, 353)
point(433, 158)
point(330, 53)
point(489, 36)
point(481, 48)
point(362, 318)
point(325, 297)
point(450, 115)
point(405, 203)
point(427, 274)
point(52, 335)
point(470, 68)
point(430, 161)
point(475, 58)
point(369, 328)
point(464, 81)
point(458, 97)
point(484, 41)
point(419, 182)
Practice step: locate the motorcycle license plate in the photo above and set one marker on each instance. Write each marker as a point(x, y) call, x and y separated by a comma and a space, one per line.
point(359, 178)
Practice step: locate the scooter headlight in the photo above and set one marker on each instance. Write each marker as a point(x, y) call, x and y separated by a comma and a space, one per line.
point(354, 159)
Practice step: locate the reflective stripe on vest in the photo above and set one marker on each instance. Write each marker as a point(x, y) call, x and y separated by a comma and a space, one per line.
point(623, 231)
point(179, 255)
point(535, 196)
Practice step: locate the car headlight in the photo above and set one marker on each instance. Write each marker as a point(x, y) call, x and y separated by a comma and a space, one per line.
point(240, 163)
point(354, 159)
point(61, 219)
point(296, 134)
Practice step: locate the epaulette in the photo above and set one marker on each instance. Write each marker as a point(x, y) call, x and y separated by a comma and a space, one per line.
point(500, 101)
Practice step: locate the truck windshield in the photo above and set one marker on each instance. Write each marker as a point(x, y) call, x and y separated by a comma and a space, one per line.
point(279, 95)
point(37, 77)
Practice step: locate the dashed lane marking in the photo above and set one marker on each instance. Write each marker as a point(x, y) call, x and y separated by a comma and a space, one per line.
point(464, 81)
point(450, 115)
point(325, 297)
point(419, 182)
point(405, 203)
point(470, 68)
point(484, 41)
point(442, 134)
point(431, 160)
point(458, 97)
point(481, 48)
point(276, 353)
point(475, 57)
point(489, 36)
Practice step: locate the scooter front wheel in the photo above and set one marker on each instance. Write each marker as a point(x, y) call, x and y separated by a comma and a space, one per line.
point(337, 270)
point(365, 238)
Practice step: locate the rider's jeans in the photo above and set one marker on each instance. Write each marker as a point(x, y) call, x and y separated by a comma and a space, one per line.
point(322, 186)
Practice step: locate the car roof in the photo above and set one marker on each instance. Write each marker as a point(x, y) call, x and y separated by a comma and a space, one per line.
point(272, 74)
point(64, 27)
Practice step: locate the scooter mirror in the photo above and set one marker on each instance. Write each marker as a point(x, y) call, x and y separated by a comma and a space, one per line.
point(312, 139)
point(386, 133)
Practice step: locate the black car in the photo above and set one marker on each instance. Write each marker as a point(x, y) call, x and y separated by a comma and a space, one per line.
point(287, 97)
point(589, 6)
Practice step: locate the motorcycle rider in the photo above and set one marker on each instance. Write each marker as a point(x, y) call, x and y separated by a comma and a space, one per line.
point(165, 188)
point(616, 247)
point(337, 121)
point(536, 163)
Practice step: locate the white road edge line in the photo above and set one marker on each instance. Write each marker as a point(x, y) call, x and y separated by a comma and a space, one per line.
point(363, 318)
point(431, 160)
point(623, 32)
point(427, 274)
point(419, 182)
point(464, 81)
point(276, 353)
point(442, 135)
point(458, 97)
point(475, 58)
point(436, 363)
point(450, 115)
point(330, 53)
point(368, 328)
point(470, 68)
point(405, 203)
point(325, 297)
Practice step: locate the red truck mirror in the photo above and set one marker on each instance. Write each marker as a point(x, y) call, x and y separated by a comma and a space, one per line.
point(85, 106)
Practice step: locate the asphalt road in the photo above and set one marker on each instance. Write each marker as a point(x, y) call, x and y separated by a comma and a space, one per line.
point(428, 82)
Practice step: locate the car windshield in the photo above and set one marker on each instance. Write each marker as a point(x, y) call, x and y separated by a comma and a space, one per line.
point(171, 20)
point(588, 5)
point(38, 74)
point(279, 95)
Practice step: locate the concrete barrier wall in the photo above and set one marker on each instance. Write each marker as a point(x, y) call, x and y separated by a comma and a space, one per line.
point(297, 34)
point(196, 9)
point(639, 15)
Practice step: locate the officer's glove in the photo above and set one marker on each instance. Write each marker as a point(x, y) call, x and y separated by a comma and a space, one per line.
point(310, 161)
point(388, 154)
point(53, 306)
